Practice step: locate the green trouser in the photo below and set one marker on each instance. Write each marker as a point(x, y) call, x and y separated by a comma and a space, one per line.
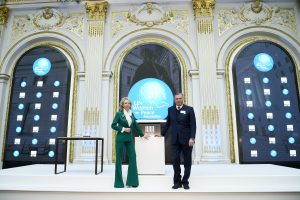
point(132, 175)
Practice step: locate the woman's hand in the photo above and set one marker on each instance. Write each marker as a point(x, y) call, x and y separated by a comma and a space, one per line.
point(146, 136)
point(127, 130)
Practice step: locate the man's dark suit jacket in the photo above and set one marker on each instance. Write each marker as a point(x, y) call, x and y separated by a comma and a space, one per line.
point(183, 124)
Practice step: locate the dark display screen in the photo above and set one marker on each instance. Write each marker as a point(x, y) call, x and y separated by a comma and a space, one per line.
point(38, 109)
point(267, 104)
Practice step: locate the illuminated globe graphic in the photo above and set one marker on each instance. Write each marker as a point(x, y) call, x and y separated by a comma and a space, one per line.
point(150, 99)
point(263, 62)
point(41, 66)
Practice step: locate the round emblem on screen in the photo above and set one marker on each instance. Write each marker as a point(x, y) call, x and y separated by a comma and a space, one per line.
point(248, 92)
point(23, 84)
point(288, 115)
point(16, 153)
point(34, 141)
point(268, 103)
point(21, 106)
point(273, 153)
point(55, 106)
point(56, 83)
point(150, 98)
point(271, 128)
point(263, 62)
point(250, 115)
point(252, 140)
point(36, 117)
point(266, 80)
point(51, 154)
point(291, 140)
point(18, 129)
point(41, 66)
point(285, 91)
point(53, 129)
point(38, 95)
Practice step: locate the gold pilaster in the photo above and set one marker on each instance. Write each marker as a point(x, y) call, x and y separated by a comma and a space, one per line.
point(203, 12)
point(96, 10)
point(3, 15)
point(203, 8)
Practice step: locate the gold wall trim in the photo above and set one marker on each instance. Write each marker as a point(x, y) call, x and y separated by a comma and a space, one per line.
point(149, 7)
point(203, 8)
point(210, 116)
point(117, 69)
point(91, 116)
point(75, 71)
point(96, 10)
point(95, 29)
point(205, 26)
point(228, 70)
point(3, 15)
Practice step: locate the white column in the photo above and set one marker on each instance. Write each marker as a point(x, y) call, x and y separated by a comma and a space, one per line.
point(92, 105)
point(210, 129)
point(105, 124)
point(4, 88)
point(3, 20)
point(197, 151)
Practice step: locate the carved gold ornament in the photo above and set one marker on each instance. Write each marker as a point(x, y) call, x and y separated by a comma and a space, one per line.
point(256, 13)
point(203, 8)
point(3, 15)
point(96, 11)
point(24, 24)
point(48, 18)
point(149, 15)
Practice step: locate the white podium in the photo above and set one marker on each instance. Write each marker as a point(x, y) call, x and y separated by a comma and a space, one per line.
point(150, 155)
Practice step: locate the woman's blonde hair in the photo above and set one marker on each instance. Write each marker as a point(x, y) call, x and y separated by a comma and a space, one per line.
point(121, 106)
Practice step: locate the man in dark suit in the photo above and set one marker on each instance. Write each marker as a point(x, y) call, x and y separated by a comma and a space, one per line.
point(182, 120)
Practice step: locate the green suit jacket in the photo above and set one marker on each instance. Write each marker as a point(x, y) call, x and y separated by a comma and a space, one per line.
point(120, 122)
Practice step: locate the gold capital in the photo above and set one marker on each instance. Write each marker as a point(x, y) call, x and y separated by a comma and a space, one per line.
point(3, 15)
point(203, 8)
point(96, 10)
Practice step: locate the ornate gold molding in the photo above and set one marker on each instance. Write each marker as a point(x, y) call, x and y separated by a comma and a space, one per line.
point(205, 26)
point(210, 116)
point(48, 18)
point(147, 10)
point(95, 29)
point(120, 22)
point(229, 18)
point(96, 10)
point(203, 8)
point(256, 13)
point(256, 6)
point(91, 116)
point(24, 24)
point(3, 15)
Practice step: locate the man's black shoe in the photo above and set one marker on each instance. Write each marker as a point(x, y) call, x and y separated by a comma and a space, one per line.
point(186, 186)
point(176, 186)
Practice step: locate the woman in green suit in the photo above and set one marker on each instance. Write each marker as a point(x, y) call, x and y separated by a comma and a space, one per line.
point(123, 122)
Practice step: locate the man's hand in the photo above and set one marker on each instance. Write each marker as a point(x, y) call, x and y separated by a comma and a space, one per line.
point(191, 142)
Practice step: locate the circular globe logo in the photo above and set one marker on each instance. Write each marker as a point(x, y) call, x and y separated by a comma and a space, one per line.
point(263, 62)
point(150, 99)
point(41, 66)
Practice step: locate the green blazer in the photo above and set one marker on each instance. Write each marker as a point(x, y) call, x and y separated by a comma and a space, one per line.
point(119, 122)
